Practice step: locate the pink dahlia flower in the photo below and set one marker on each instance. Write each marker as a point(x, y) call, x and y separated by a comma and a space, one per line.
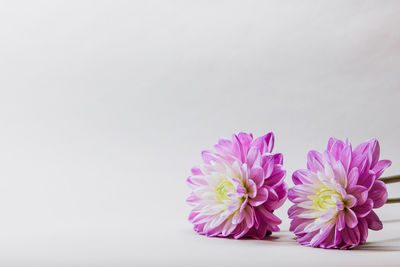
point(237, 188)
point(335, 196)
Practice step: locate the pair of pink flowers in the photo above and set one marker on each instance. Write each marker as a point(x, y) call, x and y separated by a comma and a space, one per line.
point(241, 182)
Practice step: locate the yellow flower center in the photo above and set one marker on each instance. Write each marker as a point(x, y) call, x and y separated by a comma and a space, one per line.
point(325, 198)
point(223, 189)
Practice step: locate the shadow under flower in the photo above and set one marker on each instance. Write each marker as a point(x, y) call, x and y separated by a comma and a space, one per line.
point(372, 247)
point(381, 245)
point(280, 238)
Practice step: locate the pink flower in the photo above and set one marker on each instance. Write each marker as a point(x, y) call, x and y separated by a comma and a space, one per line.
point(334, 197)
point(237, 188)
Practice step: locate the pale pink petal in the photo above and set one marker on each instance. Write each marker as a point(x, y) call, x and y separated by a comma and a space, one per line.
point(345, 158)
point(381, 166)
point(341, 221)
point(375, 150)
point(352, 177)
point(303, 177)
point(257, 175)
point(314, 161)
point(350, 218)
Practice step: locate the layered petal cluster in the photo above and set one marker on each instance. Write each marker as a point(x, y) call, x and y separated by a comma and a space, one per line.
point(335, 196)
point(237, 188)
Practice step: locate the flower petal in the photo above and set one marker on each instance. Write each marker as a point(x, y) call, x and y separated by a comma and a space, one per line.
point(314, 161)
point(269, 140)
point(364, 209)
point(252, 156)
point(257, 175)
point(352, 177)
point(373, 221)
point(350, 218)
point(360, 192)
point(378, 194)
point(381, 166)
point(341, 221)
point(350, 201)
point(268, 216)
point(261, 197)
point(303, 177)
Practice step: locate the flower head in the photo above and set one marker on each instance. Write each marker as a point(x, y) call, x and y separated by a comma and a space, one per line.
point(237, 188)
point(335, 196)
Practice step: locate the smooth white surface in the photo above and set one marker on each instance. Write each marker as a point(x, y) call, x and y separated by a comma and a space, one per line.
point(106, 105)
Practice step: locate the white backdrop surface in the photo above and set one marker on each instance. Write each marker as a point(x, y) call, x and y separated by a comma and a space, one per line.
point(106, 105)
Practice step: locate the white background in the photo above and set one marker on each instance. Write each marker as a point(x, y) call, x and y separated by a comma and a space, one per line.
point(106, 105)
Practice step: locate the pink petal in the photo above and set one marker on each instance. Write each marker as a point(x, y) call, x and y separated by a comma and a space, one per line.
point(302, 177)
point(351, 236)
point(359, 161)
point(252, 156)
point(228, 227)
point(258, 233)
point(245, 140)
point(241, 230)
point(268, 216)
point(294, 210)
point(360, 192)
point(352, 178)
point(257, 175)
point(276, 177)
point(381, 166)
point(298, 224)
point(341, 221)
point(251, 188)
point(322, 235)
point(225, 148)
point(261, 197)
point(237, 217)
point(192, 199)
point(238, 149)
point(375, 149)
point(345, 158)
point(276, 196)
point(378, 194)
point(350, 201)
point(338, 236)
point(314, 161)
point(367, 180)
point(196, 181)
point(363, 227)
point(244, 204)
point(269, 142)
point(249, 216)
point(362, 148)
point(336, 149)
point(278, 158)
point(196, 171)
point(373, 221)
point(339, 173)
point(331, 141)
point(208, 156)
point(268, 164)
point(350, 218)
point(364, 209)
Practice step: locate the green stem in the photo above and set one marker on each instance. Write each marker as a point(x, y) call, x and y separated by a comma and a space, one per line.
point(390, 179)
point(393, 200)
